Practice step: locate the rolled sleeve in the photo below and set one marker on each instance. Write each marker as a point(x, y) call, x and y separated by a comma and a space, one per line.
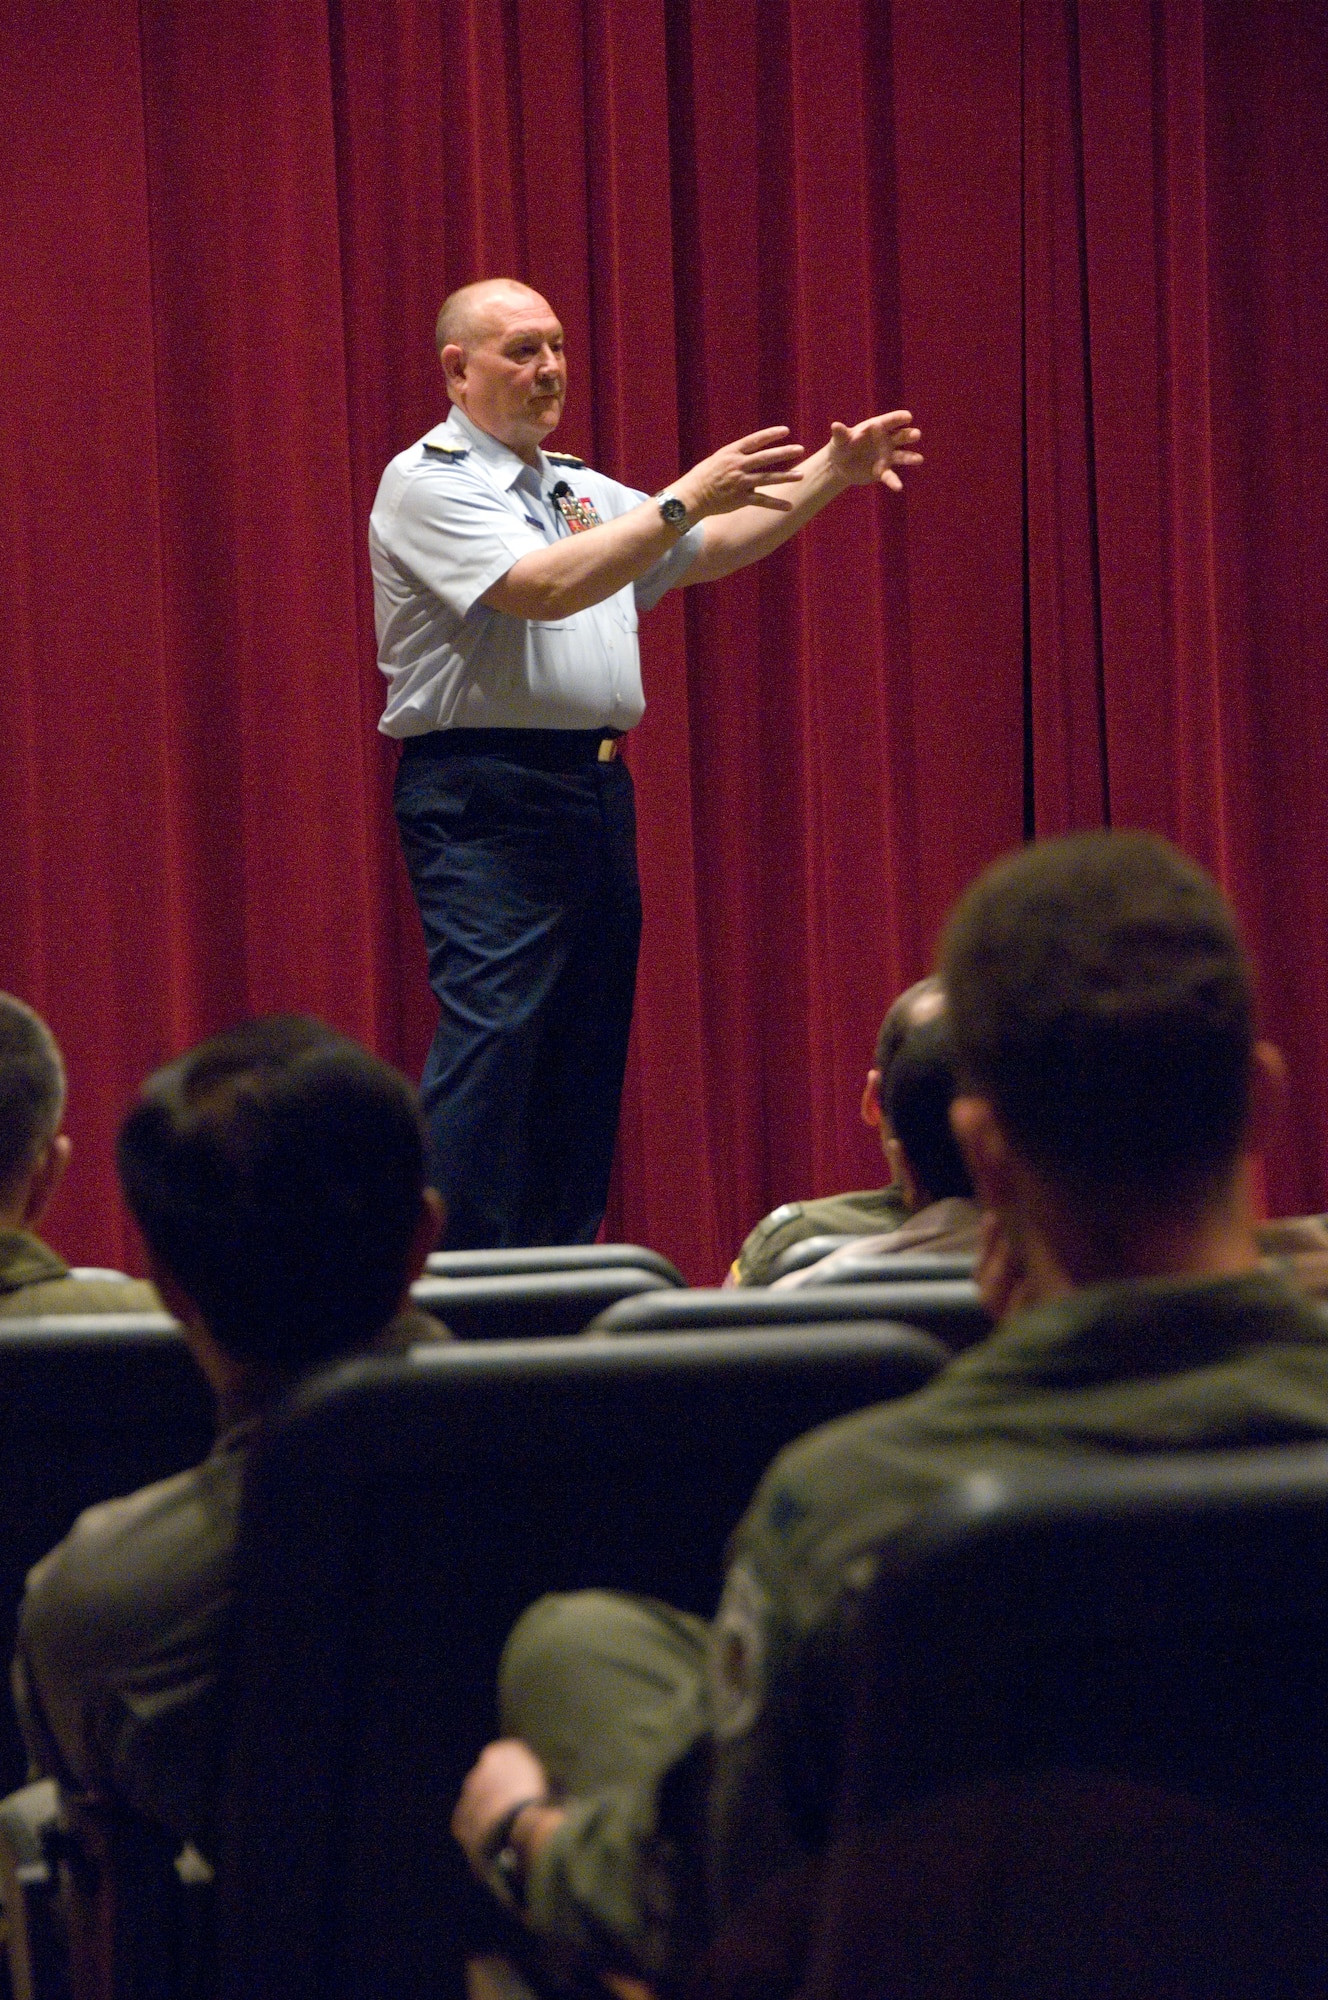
point(455, 535)
point(670, 569)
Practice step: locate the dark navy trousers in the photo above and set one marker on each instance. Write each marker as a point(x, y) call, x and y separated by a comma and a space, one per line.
point(527, 888)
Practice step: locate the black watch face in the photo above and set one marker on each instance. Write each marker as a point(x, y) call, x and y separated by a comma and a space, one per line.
point(674, 512)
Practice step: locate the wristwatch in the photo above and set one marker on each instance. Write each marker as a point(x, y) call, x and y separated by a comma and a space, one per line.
point(674, 511)
point(500, 1856)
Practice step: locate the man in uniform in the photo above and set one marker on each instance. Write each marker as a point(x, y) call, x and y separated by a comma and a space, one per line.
point(277, 1174)
point(864, 1211)
point(507, 585)
point(942, 1219)
point(673, 1775)
point(34, 1153)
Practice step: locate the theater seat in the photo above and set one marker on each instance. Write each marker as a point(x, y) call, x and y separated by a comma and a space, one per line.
point(907, 1267)
point(90, 1407)
point(100, 1904)
point(553, 1257)
point(531, 1305)
point(949, 1309)
point(398, 1518)
point(1090, 1748)
point(808, 1250)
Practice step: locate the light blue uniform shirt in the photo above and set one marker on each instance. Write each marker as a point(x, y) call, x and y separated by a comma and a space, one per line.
point(453, 513)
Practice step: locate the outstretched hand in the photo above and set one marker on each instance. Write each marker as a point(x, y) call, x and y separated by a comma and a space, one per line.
point(732, 476)
point(871, 450)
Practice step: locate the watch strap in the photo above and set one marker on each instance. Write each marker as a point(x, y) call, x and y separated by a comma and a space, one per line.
point(503, 1863)
point(673, 510)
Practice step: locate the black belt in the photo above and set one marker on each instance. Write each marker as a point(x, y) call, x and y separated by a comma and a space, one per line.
point(538, 749)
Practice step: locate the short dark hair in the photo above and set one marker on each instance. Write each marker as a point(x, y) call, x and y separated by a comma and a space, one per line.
point(276, 1173)
point(925, 996)
point(917, 1102)
point(1101, 999)
point(32, 1088)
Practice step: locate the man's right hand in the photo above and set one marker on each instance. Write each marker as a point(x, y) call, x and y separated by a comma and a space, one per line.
point(506, 1774)
point(734, 475)
point(578, 570)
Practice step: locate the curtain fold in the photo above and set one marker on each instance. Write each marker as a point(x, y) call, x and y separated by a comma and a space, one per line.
point(1086, 244)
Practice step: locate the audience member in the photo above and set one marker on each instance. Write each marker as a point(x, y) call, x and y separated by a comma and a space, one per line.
point(1297, 1246)
point(926, 1161)
point(870, 1210)
point(34, 1153)
point(672, 1775)
point(277, 1175)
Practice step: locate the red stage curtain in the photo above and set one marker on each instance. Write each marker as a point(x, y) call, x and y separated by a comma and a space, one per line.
point(1086, 243)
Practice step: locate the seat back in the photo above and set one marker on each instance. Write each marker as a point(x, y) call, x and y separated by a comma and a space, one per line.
point(90, 1407)
point(397, 1519)
point(949, 1309)
point(911, 1265)
point(138, 1928)
point(531, 1305)
point(99, 1904)
point(906, 1267)
point(1089, 1751)
point(807, 1250)
point(36, 1949)
point(551, 1257)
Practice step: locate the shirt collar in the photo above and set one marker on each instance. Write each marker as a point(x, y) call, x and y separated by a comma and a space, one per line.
point(25, 1260)
point(1147, 1327)
point(502, 462)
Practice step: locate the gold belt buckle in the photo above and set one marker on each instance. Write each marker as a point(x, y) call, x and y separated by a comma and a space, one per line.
point(608, 749)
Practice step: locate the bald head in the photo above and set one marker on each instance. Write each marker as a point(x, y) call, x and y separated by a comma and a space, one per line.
point(912, 1008)
point(502, 353)
point(474, 311)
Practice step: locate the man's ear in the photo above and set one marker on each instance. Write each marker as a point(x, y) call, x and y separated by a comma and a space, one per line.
point(429, 1226)
point(45, 1178)
point(985, 1149)
point(1268, 1098)
point(453, 359)
point(870, 1106)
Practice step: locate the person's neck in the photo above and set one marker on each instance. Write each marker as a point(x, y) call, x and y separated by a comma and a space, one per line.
point(1065, 1251)
point(241, 1389)
point(526, 449)
point(16, 1206)
point(245, 1390)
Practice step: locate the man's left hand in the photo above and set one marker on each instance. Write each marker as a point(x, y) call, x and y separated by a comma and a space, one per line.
point(870, 451)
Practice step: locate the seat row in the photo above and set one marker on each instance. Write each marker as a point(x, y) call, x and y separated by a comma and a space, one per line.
point(403, 1513)
point(1124, 1659)
point(92, 1407)
point(620, 1288)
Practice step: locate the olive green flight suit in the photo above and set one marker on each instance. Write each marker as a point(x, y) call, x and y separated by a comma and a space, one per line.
point(699, 1763)
point(34, 1281)
point(868, 1213)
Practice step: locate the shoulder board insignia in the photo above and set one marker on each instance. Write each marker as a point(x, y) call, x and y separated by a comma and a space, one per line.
point(788, 1211)
point(756, 1245)
point(565, 458)
point(450, 454)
